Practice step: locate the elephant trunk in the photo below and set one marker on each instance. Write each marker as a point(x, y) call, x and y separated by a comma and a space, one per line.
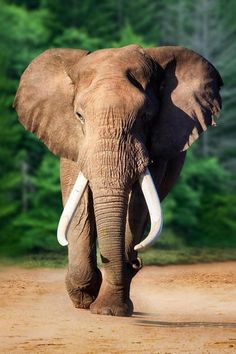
point(110, 213)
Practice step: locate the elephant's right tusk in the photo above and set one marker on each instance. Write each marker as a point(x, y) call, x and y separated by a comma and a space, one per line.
point(154, 208)
point(70, 208)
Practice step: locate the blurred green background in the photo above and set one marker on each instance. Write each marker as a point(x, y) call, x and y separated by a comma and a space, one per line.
point(200, 213)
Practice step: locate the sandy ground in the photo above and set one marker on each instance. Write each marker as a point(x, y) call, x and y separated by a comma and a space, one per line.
point(178, 309)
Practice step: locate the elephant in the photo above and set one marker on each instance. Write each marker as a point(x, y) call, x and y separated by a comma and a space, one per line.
point(121, 121)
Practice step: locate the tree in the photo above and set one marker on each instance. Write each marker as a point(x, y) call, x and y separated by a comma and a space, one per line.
point(37, 226)
point(127, 36)
point(195, 206)
point(75, 38)
point(21, 39)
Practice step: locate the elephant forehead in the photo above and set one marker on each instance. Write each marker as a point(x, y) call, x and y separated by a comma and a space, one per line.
point(115, 61)
point(113, 98)
point(115, 53)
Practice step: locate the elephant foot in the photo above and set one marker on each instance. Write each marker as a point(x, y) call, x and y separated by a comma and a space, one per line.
point(110, 302)
point(82, 294)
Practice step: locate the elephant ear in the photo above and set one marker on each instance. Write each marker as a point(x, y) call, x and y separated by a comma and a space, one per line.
point(44, 100)
point(188, 89)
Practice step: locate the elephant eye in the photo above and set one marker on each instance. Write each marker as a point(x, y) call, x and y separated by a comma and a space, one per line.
point(134, 81)
point(80, 117)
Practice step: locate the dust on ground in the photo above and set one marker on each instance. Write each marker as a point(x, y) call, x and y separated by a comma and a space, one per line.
point(178, 309)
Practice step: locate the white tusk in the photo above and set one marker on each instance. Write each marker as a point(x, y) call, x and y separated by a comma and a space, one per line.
point(70, 208)
point(154, 207)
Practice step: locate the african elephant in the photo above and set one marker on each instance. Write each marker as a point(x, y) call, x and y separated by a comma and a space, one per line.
point(121, 121)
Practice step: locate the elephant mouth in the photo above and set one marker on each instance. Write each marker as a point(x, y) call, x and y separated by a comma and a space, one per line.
point(151, 198)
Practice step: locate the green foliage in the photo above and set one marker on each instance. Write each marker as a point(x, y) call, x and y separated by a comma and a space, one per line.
point(38, 223)
point(128, 36)
point(21, 40)
point(218, 221)
point(21, 37)
point(201, 210)
point(75, 38)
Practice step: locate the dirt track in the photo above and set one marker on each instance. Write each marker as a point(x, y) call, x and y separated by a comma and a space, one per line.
point(178, 309)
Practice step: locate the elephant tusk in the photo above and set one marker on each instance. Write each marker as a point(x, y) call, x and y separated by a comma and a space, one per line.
point(154, 207)
point(70, 208)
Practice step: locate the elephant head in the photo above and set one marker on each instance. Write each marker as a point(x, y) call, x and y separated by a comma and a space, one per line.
point(114, 111)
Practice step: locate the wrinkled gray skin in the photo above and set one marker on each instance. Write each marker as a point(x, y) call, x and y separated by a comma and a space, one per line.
point(110, 114)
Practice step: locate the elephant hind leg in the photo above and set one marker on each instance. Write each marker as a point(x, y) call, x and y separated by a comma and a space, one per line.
point(137, 220)
point(164, 174)
point(171, 174)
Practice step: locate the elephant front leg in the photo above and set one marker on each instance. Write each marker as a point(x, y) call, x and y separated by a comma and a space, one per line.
point(83, 278)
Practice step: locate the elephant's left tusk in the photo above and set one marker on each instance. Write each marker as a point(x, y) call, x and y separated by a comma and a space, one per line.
point(154, 207)
point(70, 208)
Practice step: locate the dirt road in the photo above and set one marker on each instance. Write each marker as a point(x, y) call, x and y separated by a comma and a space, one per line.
point(178, 309)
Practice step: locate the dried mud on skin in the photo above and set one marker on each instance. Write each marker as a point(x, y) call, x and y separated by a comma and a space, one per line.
point(178, 309)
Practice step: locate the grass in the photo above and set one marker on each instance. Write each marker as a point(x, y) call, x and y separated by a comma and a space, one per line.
point(170, 249)
point(153, 256)
point(46, 260)
point(187, 255)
